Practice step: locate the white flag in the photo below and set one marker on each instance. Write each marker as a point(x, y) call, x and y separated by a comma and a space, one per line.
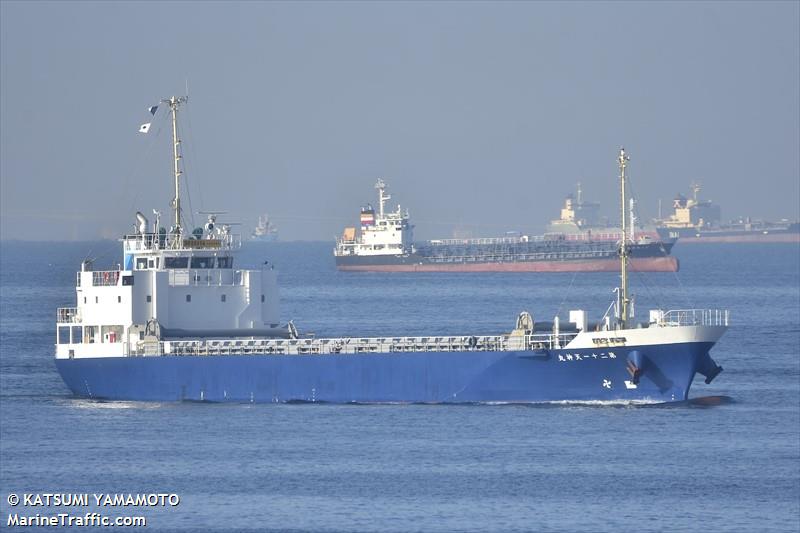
point(144, 128)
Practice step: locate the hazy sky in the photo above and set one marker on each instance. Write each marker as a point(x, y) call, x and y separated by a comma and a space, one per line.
point(480, 116)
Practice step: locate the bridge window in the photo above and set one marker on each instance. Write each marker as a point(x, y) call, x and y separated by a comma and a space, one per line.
point(141, 263)
point(127, 280)
point(63, 335)
point(89, 333)
point(176, 262)
point(202, 262)
point(224, 262)
point(111, 333)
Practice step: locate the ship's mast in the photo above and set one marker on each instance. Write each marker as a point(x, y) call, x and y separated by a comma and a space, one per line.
point(695, 189)
point(382, 197)
point(173, 103)
point(624, 251)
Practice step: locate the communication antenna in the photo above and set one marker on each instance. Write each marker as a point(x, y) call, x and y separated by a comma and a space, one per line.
point(624, 250)
point(174, 102)
point(382, 196)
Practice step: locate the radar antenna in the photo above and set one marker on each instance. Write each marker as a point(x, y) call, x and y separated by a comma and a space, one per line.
point(382, 196)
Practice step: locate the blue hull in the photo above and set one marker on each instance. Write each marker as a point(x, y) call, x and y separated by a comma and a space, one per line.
point(430, 377)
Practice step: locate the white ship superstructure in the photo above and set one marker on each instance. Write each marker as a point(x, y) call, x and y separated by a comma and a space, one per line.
point(170, 284)
point(265, 230)
point(381, 233)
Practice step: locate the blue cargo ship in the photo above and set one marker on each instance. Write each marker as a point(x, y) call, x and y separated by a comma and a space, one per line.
point(177, 321)
point(529, 368)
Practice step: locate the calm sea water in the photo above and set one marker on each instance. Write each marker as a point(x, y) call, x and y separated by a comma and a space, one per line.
point(731, 467)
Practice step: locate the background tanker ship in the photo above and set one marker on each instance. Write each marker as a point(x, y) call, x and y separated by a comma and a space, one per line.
point(694, 220)
point(581, 220)
point(385, 244)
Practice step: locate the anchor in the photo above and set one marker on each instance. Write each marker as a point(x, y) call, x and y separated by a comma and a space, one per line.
point(636, 365)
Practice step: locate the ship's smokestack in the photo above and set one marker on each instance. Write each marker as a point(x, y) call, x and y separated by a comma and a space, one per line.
point(141, 221)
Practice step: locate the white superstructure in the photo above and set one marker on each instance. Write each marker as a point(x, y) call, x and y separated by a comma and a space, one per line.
point(170, 284)
point(381, 233)
point(265, 230)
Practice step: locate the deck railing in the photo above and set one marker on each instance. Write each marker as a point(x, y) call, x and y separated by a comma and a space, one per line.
point(170, 241)
point(105, 278)
point(312, 346)
point(487, 240)
point(695, 317)
point(511, 257)
point(68, 315)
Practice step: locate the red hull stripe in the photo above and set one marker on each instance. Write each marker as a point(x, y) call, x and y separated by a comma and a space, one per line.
point(762, 237)
point(640, 264)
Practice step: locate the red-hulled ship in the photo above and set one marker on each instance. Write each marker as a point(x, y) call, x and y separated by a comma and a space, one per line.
point(385, 244)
